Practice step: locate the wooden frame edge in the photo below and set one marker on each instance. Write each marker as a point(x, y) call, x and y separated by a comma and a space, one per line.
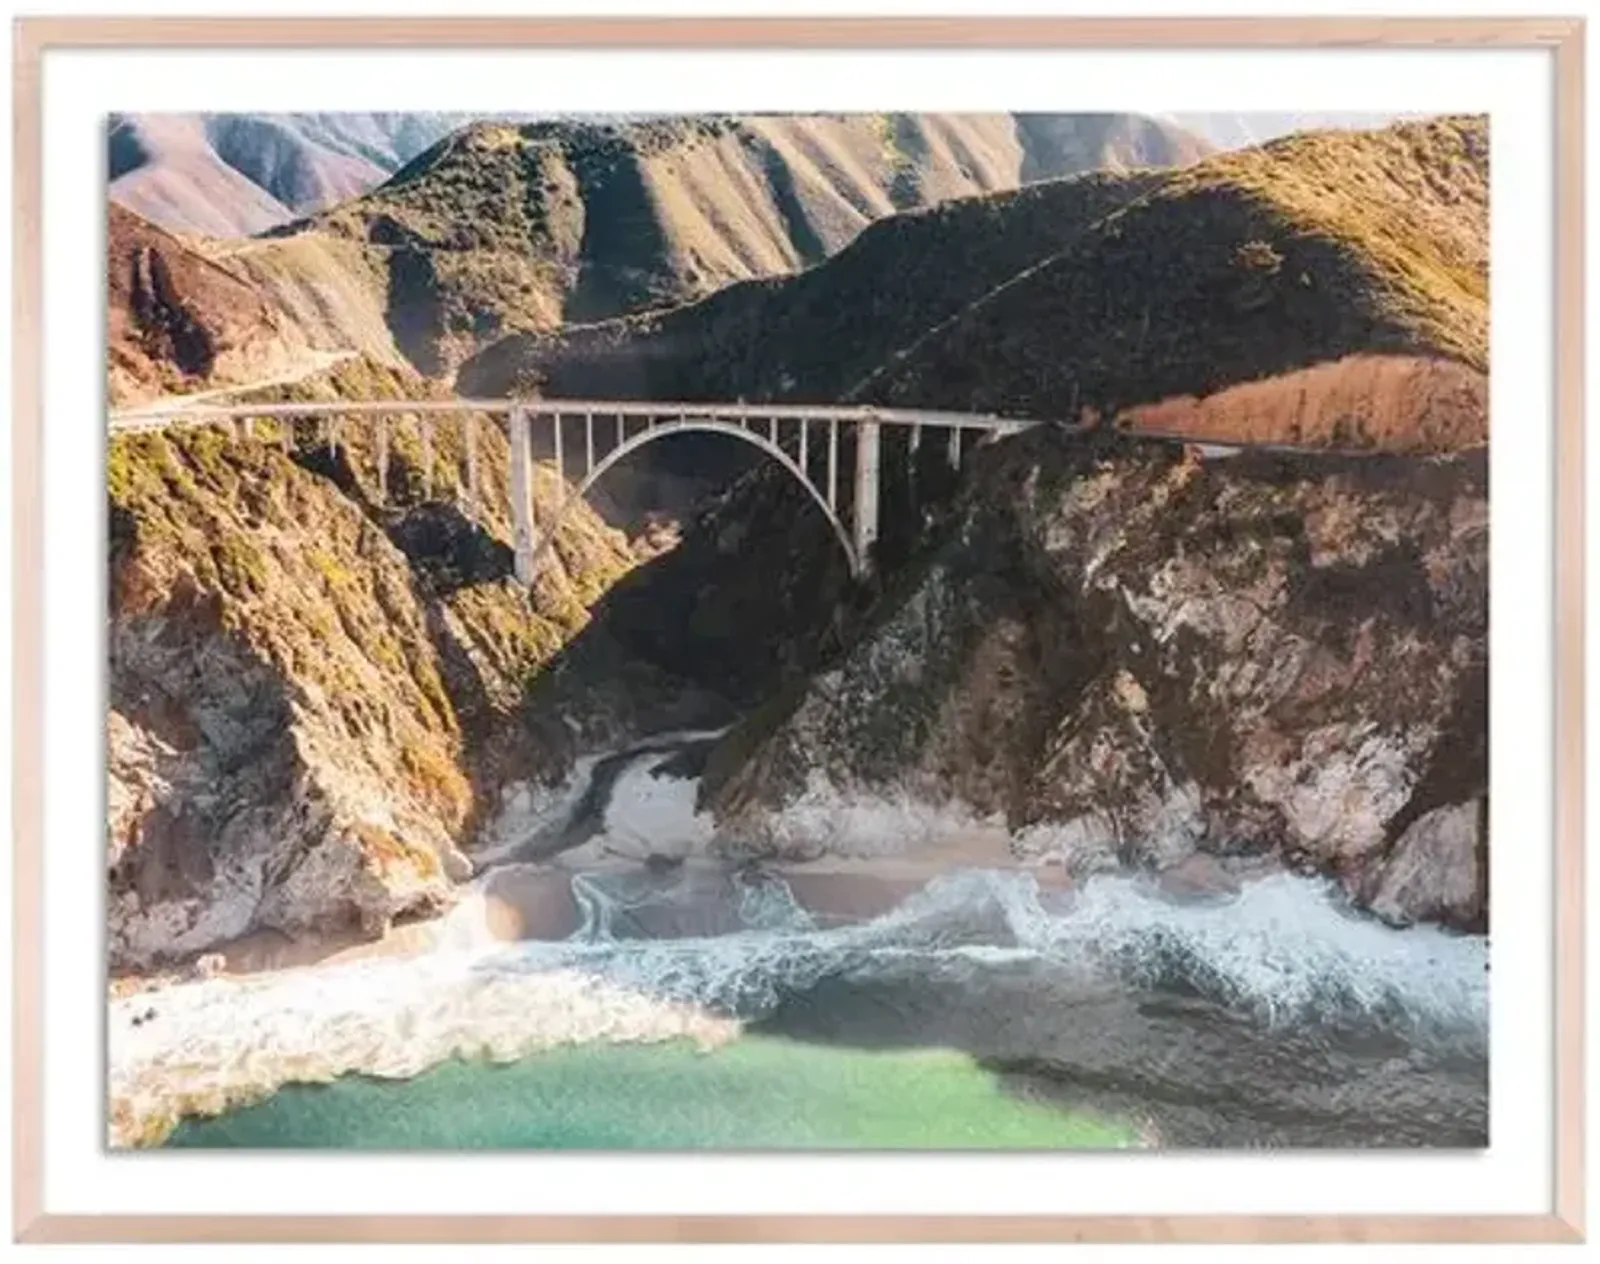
point(815, 1229)
point(1569, 622)
point(1563, 35)
point(801, 32)
point(27, 513)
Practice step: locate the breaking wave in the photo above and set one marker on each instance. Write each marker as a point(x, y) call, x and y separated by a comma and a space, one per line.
point(1284, 948)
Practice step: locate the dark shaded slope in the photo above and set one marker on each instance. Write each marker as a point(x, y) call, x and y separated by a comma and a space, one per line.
point(535, 225)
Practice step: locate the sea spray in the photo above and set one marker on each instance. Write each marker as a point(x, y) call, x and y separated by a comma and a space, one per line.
point(533, 813)
point(653, 814)
point(1282, 950)
point(643, 810)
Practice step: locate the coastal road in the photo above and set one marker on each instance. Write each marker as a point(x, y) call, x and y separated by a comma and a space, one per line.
point(317, 362)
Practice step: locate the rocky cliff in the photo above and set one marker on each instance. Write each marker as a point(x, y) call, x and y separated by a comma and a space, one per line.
point(316, 691)
point(1137, 652)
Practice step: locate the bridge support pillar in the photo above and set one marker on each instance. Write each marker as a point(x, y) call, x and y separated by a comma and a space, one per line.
point(866, 497)
point(524, 534)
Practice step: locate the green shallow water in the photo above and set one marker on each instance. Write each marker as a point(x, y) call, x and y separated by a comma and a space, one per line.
point(756, 1093)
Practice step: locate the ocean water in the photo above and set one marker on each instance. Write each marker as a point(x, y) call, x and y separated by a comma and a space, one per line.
point(699, 1005)
point(758, 1093)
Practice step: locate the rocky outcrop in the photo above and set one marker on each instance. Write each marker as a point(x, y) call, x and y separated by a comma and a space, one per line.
point(1137, 651)
point(1437, 869)
point(314, 693)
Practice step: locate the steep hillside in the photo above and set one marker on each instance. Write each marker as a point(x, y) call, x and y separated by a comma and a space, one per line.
point(502, 227)
point(798, 338)
point(1240, 130)
point(1244, 266)
point(231, 175)
point(386, 139)
point(818, 335)
point(334, 290)
point(299, 173)
point(1065, 144)
point(206, 315)
point(177, 320)
point(316, 693)
point(1337, 279)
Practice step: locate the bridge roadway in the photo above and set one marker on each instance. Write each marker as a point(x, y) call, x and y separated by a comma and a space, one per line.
point(783, 431)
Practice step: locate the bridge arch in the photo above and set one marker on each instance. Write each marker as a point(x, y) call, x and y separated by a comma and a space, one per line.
point(704, 425)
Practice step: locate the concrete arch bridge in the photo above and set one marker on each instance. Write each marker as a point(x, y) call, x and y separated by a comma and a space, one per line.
point(585, 438)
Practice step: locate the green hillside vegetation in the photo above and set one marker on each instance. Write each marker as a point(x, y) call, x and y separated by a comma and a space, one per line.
point(588, 556)
point(1241, 267)
point(1182, 288)
point(502, 228)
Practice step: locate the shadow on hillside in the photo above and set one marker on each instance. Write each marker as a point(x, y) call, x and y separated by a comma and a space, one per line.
point(413, 311)
point(754, 601)
point(449, 550)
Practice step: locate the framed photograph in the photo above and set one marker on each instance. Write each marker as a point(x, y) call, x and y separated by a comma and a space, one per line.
point(869, 629)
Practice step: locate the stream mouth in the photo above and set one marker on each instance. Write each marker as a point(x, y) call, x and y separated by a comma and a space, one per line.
point(1269, 1014)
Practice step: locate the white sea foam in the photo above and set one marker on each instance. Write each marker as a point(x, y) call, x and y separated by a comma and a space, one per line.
point(214, 1044)
point(645, 812)
point(651, 813)
point(1284, 948)
point(532, 810)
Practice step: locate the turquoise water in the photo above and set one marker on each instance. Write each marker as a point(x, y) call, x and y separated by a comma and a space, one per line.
point(756, 1093)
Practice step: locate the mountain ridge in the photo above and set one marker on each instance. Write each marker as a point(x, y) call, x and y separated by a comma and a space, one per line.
point(1160, 286)
point(499, 227)
point(237, 174)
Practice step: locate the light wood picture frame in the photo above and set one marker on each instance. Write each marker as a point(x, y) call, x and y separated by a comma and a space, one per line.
point(1561, 38)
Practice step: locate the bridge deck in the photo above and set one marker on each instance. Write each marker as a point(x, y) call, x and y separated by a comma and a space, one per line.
point(203, 414)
